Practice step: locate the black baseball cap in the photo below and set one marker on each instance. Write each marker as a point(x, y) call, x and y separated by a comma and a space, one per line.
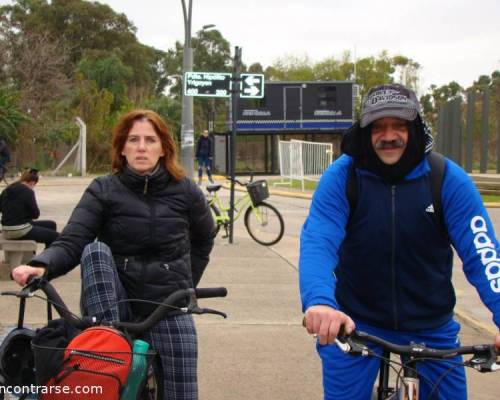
point(390, 100)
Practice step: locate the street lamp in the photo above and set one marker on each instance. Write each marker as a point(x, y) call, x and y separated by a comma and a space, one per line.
point(187, 130)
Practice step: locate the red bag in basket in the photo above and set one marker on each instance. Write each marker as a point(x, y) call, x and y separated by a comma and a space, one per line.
point(95, 367)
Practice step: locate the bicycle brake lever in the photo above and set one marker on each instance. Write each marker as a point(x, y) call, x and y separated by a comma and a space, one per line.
point(486, 362)
point(200, 311)
point(18, 293)
point(350, 346)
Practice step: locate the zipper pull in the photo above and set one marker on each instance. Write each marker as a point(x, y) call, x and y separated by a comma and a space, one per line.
point(166, 266)
point(145, 185)
point(125, 262)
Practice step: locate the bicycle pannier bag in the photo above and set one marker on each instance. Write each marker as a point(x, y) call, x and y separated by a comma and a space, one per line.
point(95, 366)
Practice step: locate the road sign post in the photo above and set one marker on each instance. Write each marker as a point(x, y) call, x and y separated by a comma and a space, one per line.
point(232, 158)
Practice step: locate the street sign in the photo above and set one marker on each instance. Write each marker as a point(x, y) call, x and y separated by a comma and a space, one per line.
point(208, 84)
point(252, 86)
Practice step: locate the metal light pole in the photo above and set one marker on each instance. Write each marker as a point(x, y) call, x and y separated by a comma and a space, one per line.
point(187, 129)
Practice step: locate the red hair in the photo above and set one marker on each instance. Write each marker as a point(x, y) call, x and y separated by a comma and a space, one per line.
point(120, 135)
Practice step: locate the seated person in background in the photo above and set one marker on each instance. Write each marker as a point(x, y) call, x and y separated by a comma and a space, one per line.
point(19, 209)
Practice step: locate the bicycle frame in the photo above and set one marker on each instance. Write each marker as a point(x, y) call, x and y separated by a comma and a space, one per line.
point(410, 382)
point(241, 204)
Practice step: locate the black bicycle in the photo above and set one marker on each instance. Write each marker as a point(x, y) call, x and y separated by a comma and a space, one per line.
point(484, 359)
point(17, 363)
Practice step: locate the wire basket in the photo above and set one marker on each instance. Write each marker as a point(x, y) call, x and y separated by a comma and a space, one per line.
point(258, 191)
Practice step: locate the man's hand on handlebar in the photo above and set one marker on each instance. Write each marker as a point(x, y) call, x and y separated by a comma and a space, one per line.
point(327, 322)
point(21, 273)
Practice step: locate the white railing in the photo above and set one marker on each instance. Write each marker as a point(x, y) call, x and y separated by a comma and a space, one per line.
point(303, 161)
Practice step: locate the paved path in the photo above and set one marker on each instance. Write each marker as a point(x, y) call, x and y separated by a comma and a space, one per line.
point(261, 350)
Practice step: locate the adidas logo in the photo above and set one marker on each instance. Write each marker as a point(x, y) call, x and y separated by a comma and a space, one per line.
point(430, 209)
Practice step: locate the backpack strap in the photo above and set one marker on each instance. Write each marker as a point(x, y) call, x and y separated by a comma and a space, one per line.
point(351, 191)
point(437, 163)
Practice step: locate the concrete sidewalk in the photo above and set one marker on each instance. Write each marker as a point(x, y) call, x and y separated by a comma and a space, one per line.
point(261, 350)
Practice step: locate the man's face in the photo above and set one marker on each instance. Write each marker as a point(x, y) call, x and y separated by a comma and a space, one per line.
point(205, 133)
point(389, 139)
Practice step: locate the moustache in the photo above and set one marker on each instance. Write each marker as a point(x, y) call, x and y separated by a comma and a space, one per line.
point(389, 144)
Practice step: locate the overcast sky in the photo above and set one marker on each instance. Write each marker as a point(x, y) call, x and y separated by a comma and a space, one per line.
point(451, 39)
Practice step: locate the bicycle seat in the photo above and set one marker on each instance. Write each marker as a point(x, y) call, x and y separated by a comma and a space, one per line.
point(213, 187)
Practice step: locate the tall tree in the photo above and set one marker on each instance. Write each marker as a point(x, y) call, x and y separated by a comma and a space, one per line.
point(109, 73)
point(11, 115)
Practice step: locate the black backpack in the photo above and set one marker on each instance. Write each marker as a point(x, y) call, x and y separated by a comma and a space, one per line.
point(437, 163)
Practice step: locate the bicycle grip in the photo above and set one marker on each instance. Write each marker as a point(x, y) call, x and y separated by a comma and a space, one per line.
point(205, 293)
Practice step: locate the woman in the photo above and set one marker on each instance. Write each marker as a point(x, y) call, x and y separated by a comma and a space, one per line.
point(155, 234)
point(19, 210)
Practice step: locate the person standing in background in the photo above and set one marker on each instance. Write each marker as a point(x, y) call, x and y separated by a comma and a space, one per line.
point(204, 156)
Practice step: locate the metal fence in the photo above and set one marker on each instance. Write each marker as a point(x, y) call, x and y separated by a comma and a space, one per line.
point(300, 160)
point(468, 130)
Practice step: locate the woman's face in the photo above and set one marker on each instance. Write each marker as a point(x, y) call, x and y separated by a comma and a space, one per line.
point(143, 147)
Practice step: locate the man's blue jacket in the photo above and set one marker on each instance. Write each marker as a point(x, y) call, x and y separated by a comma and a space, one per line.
point(388, 264)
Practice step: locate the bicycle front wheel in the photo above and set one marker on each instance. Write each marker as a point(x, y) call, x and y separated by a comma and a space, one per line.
point(153, 387)
point(264, 224)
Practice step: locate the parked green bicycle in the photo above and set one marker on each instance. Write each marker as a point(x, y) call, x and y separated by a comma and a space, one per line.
point(263, 221)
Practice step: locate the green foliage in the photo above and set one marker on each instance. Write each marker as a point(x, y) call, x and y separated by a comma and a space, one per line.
point(11, 115)
point(94, 107)
point(109, 74)
point(170, 110)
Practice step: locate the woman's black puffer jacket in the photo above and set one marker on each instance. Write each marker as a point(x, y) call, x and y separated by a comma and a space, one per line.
point(160, 232)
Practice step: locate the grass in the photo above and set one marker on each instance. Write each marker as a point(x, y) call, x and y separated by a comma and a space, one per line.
point(311, 186)
point(488, 198)
point(296, 184)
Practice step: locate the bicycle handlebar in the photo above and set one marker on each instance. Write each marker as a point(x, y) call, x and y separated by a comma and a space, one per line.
point(484, 355)
point(191, 295)
point(166, 307)
point(239, 182)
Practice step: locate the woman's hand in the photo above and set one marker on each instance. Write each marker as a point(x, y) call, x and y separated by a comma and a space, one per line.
point(23, 272)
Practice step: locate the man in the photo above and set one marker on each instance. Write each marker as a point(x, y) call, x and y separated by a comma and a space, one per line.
point(204, 156)
point(384, 266)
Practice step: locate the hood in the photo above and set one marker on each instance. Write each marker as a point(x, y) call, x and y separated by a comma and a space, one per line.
point(356, 143)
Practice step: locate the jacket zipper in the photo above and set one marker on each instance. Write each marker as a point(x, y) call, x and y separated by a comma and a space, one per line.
point(145, 190)
point(393, 256)
point(125, 262)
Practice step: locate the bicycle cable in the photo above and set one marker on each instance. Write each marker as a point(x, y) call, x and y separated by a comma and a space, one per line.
point(435, 385)
point(399, 372)
point(117, 303)
point(56, 305)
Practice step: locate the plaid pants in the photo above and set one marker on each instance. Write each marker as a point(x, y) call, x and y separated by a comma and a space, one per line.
point(174, 338)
